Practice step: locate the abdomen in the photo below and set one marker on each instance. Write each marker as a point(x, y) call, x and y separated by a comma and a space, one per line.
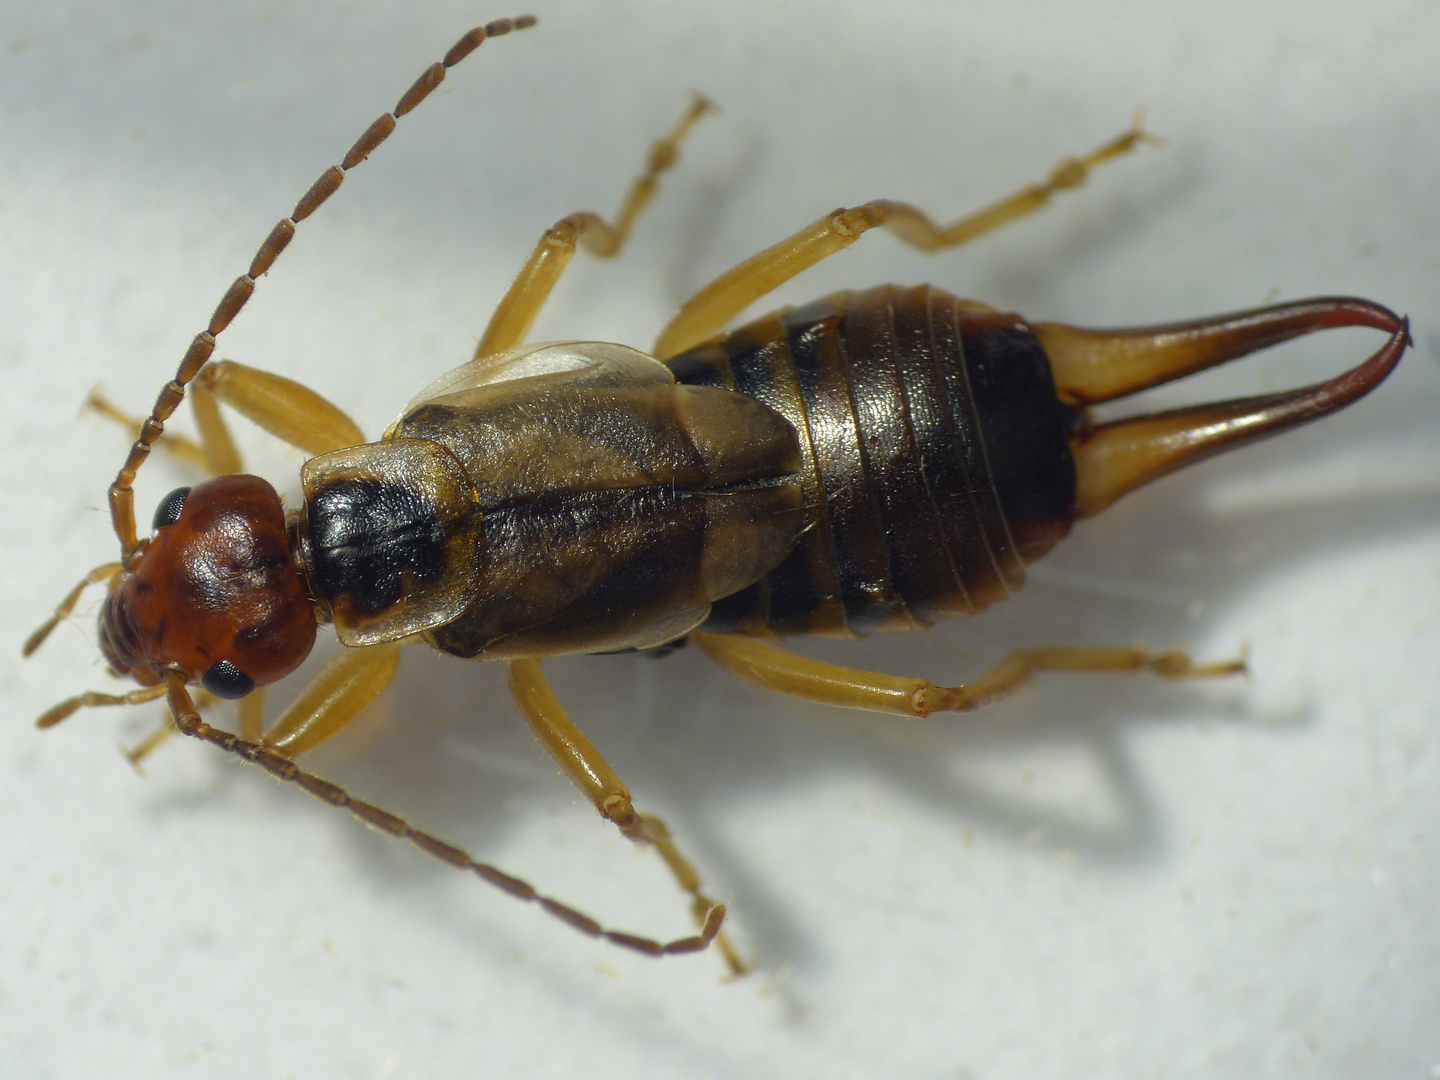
point(936, 457)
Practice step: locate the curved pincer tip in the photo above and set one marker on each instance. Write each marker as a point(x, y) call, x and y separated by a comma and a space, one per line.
point(1092, 366)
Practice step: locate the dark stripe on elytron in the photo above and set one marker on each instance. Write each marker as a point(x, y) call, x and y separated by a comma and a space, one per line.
point(570, 590)
point(919, 565)
point(861, 559)
point(978, 533)
point(674, 491)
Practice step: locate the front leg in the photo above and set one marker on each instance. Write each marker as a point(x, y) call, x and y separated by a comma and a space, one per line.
point(290, 411)
point(287, 409)
point(335, 699)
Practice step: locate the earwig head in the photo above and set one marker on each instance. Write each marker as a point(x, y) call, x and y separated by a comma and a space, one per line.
point(215, 592)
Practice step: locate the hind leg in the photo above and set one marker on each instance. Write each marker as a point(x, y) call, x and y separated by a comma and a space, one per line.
point(705, 314)
point(773, 668)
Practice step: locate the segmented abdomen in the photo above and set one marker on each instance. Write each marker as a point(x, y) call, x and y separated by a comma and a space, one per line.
point(936, 457)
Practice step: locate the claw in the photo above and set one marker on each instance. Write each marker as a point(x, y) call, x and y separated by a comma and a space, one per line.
point(1092, 366)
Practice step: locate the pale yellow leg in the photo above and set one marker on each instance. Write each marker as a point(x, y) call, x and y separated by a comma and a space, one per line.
point(187, 450)
point(62, 610)
point(577, 757)
point(94, 698)
point(187, 721)
point(705, 314)
point(251, 709)
point(522, 302)
point(137, 754)
point(773, 668)
point(222, 456)
point(335, 699)
point(215, 453)
point(288, 410)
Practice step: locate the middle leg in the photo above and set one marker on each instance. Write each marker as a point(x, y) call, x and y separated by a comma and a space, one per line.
point(522, 302)
point(578, 759)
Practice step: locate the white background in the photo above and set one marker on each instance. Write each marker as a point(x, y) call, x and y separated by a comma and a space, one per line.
point(1099, 877)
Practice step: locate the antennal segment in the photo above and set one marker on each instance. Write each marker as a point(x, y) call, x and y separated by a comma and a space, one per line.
point(187, 719)
point(122, 498)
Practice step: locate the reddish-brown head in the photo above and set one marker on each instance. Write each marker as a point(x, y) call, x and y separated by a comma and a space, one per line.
point(215, 592)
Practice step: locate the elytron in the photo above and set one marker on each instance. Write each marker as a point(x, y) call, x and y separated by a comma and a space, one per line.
point(873, 461)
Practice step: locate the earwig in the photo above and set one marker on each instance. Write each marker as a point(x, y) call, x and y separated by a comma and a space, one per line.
point(870, 462)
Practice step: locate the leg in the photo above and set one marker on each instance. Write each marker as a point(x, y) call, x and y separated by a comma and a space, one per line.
point(290, 411)
point(334, 700)
point(221, 454)
point(251, 710)
point(146, 746)
point(706, 313)
point(215, 453)
point(592, 774)
point(773, 668)
point(520, 305)
point(93, 698)
point(187, 450)
point(187, 721)
point(62, 610)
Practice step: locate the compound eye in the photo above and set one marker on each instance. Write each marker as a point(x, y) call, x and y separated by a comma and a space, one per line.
point(225, 680)
point(168, 512)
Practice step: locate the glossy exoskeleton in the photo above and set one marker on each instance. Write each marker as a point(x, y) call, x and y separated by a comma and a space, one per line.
point(870, 462)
